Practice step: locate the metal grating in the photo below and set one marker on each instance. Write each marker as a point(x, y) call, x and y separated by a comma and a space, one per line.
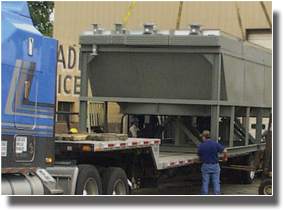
point(194, 40)
point(94, 39)
point(146, 40)
point(117, 39)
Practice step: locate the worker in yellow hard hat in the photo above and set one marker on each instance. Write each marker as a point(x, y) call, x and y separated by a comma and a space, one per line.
point(73, 130)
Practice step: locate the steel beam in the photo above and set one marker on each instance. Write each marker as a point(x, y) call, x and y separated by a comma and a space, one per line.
point(189, 134)
point(247, 135)
point(244, 149)
point(105, 115)
point(203, 50)
point(215, 96)
point(176, 132)
point(83, 93)
point(258, 126)
point(232, 119)
point(170, 101)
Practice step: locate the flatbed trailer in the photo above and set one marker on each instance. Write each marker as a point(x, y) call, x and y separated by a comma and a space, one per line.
point(162, 159)
point(145, 161)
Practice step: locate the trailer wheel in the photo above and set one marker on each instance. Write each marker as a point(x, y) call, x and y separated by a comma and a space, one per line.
point(265, 187)
point(248, 176)
point(114, 182)
point(88, 181)
point(235, 177)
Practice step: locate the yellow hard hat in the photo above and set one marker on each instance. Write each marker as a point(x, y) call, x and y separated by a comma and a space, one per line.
point(74, 130)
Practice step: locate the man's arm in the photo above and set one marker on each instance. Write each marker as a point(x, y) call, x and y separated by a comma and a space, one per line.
point(199, 153)
point(225, 152)
point(133, 132)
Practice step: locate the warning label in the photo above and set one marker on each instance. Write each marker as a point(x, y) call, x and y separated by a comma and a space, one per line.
point(4, 148)
point(21, 144)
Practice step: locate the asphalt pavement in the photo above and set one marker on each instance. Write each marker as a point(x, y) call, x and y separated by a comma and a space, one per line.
point(193, 188)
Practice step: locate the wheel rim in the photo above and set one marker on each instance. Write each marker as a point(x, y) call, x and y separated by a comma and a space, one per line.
point(119, 188)
point(267, 190)
point(90, 187)
point(252, 174)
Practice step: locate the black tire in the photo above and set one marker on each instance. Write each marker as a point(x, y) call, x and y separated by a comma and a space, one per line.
point(248, 176)
point(265, 187)
point(114, 182)
point(88, 181)
point(235, 176)
point(101, 170)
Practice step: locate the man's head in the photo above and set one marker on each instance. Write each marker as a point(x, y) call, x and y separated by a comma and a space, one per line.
point(205, 135)
point(135, 121)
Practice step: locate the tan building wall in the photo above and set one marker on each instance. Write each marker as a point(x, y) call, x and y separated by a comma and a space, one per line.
point(68, 80)
point(72, 18)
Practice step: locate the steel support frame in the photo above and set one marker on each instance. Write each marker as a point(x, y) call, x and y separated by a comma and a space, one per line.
point(189, 134)
point(170, 101)
point(258, 127)
point(177, 133)
point(84, 91)
point(215, 96)
point(85, 71)
point(105, 115)
point(232, 119)
point(248, 112)
point(245, 149)
point(214, 103)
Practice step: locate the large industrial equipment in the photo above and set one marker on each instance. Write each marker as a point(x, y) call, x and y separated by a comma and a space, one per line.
point(198, 79)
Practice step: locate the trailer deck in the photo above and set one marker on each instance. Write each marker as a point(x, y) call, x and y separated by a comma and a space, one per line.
point(163, 159)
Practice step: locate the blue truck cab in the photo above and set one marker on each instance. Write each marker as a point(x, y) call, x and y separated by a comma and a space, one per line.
point(28, 85)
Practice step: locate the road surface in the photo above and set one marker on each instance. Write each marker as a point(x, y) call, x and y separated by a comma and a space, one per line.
point(193, 188)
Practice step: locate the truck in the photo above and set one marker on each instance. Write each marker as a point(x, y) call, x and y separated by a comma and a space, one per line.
point(176, 82)
point(28, 82)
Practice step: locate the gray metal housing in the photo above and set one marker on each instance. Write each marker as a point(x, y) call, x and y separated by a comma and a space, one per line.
point(174, 73)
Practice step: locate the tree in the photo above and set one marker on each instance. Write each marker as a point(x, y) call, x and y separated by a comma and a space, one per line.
point(40, 14)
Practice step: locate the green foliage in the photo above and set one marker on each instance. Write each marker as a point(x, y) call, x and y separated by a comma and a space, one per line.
point(40, 12)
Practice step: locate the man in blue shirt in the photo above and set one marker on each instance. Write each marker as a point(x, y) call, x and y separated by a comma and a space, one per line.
point(208, 154)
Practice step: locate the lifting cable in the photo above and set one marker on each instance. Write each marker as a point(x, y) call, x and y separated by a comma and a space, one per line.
point(266, 15)
point(179, 15)
point(239, 20)
point(129, 13)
